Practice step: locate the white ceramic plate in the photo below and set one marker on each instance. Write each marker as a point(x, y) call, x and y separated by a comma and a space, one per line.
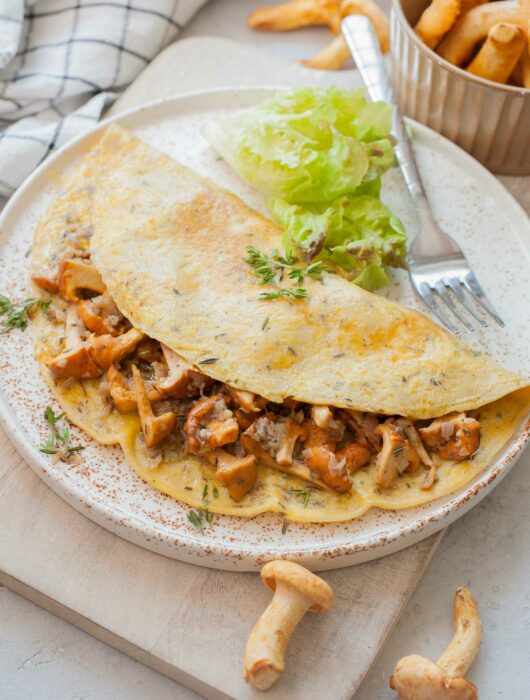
point(467, 201)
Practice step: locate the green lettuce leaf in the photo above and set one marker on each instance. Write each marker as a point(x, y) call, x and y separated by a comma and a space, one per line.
point(318, 154)
point(359, 235)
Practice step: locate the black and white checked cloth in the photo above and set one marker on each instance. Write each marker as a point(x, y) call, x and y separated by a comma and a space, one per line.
point(63, 61)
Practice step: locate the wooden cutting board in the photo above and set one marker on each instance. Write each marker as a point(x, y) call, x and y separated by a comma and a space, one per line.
point(188, 622)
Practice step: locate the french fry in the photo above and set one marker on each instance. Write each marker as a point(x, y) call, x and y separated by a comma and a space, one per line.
point(333, 57)
point(499, 53)
point(470, 4)
point(295, 14)
point(437, 20)
point(473, 27)
point(521, 73)
point(336, 53)
point(378, 18)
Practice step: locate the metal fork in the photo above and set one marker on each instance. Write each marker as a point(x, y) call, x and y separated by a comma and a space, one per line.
point(438, 269)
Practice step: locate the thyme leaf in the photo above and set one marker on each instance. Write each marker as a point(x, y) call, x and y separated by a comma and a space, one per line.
point(195, 518)
point(271, 269)
point(17, 313)
point(58, 441)
point(202, 515)
point(285, 293)
point(304, 494)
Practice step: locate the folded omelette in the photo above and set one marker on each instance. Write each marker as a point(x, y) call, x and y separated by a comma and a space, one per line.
point(319, 408)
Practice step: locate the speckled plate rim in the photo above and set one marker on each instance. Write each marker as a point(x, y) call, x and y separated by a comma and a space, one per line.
point(193, 549)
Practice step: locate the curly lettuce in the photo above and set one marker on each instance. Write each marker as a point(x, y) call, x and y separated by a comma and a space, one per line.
point(358, 235)
point(318, 155)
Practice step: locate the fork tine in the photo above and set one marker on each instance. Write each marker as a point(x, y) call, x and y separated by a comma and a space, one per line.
point(456, 286)
point(425, 293)
point(471, 283)
point(443, 293)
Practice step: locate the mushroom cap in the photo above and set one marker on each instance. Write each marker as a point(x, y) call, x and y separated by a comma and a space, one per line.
point(301, 579)
point(418, 678)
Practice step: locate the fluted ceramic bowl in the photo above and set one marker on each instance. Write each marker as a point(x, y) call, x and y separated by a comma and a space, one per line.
point(489, 120)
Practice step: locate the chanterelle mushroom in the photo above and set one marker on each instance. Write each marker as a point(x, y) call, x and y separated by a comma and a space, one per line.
point(291, 433)
point(106, 350)
point(246, 400)
point(412, 435)
point(238, 474)
point(364, 425)
point(100, 315)
point(210, 424)
point(418, 678)
point(75, 360)
point(122, 394)
point(455, 437)
point(76, 274)
point(296, 590)
point(319, 455)
point(355, 456)
point(155, 428)
point(396, 457)
point(182, 380)
point(81, 358)
point(331, 469)
point(321, 415)
point(42, 280)
point(264, 439)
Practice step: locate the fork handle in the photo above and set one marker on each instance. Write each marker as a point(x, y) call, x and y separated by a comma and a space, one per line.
point(364, 47)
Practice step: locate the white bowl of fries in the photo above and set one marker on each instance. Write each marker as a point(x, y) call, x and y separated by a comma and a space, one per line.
point(463, 68)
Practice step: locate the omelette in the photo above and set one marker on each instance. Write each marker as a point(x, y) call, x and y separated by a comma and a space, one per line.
point(157, 338)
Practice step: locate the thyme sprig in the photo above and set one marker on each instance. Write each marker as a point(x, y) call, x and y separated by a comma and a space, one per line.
point(202, 515)
point(17, 313)
point(195, 518)
point(59, 439)
point(199, 517)
point(274, 268)
point(304, 494)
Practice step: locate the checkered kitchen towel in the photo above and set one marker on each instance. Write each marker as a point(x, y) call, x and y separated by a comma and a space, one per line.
point(63, 61)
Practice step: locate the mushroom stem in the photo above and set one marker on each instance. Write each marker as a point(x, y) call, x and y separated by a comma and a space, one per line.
point(464, 645)
point(296, 590)
point(75, 360)
point(155, 428)
point(264, 655)
point(238, 474)
point(418, 678)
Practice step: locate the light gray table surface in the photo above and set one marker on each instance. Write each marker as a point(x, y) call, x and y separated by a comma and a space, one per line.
point(44, 658)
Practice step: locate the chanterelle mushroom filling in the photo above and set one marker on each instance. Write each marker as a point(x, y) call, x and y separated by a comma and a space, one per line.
point(210, 424)
point(322, 444)
point(454, 437)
